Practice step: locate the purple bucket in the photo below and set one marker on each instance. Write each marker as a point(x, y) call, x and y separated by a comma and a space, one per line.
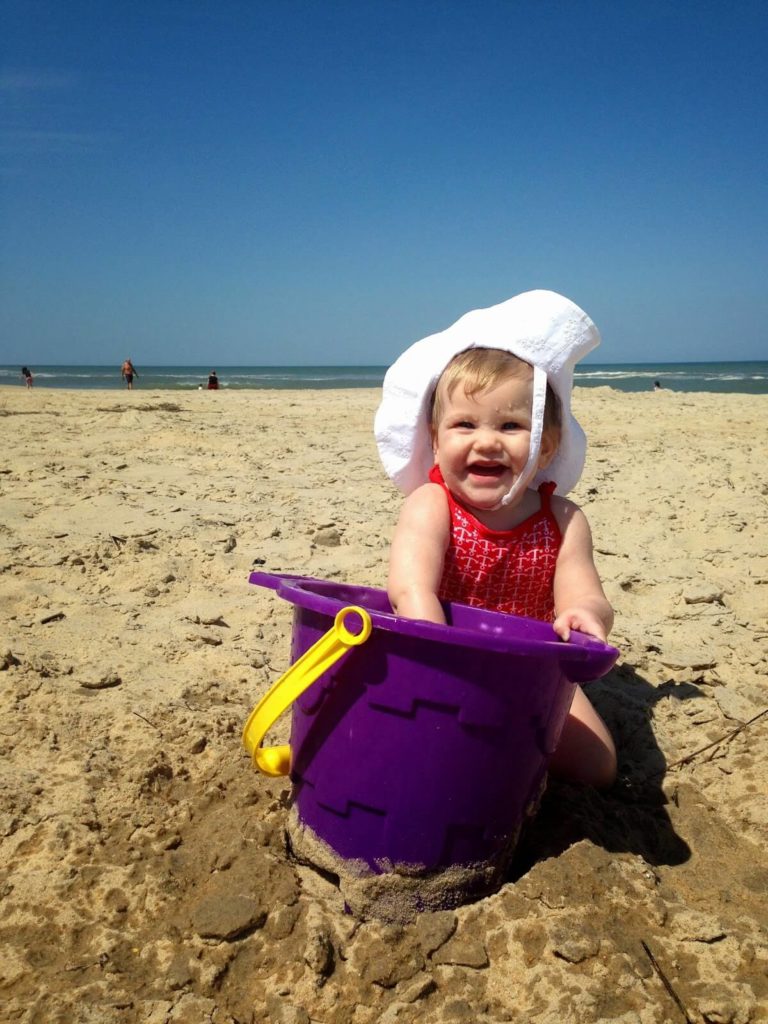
point(424, 749)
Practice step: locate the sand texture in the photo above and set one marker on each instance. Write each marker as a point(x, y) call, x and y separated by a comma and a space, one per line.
point(143, 867)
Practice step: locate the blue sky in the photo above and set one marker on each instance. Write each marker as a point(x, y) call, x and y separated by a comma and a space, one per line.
point(187, 181)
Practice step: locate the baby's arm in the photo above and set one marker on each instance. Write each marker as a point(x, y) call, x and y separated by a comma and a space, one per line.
point(417, 555)
point(580, 602)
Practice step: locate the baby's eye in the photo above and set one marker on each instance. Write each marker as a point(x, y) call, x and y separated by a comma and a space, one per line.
point(510, 425)
point(464, 424)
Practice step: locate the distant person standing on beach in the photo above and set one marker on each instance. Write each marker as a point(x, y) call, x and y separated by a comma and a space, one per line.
point(128, 372)
point(26, 373)
point(213, 381)
point(657, 385)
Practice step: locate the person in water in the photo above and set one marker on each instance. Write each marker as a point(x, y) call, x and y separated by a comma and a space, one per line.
point(26, 373)
point(475, 426)
point(213, 381)
point(128, 372)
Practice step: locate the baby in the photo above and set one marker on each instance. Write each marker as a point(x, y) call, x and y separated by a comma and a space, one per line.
point(470, 419)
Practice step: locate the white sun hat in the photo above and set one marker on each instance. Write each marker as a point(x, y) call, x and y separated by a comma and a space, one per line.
point(545, 329)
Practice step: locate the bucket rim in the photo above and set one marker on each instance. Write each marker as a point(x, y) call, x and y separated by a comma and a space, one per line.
point(581, 648)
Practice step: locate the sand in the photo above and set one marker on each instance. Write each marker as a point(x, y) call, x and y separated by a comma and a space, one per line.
point(144, 870)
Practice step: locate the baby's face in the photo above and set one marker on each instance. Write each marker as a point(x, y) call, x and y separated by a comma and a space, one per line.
point(482, 441)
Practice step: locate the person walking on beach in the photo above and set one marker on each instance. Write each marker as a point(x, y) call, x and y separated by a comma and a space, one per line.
point(213, 381)
point(26, 373)
point(128, 372)
point(475, 426)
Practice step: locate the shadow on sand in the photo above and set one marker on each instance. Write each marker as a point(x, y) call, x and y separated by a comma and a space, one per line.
point(631, 817)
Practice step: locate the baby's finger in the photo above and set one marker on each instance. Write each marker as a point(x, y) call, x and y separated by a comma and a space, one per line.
point(591, 626)
point(562, 628)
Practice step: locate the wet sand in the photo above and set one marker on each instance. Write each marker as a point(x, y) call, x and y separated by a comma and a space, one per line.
point(144, 870)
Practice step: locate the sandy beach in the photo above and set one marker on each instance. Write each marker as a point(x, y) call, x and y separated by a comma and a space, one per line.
point(144, 871)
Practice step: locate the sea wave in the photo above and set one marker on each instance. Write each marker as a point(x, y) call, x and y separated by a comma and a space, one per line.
point(625, 374)
point(742, 377)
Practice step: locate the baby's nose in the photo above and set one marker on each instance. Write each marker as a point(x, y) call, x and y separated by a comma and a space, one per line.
point(487, 440)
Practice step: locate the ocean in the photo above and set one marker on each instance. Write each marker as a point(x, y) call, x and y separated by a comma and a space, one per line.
point(741, 377)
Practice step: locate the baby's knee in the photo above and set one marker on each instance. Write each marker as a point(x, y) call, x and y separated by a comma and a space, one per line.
point(604, 766)
point(586, 753)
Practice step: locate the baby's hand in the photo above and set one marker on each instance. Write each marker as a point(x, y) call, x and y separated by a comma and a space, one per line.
point(583, 619)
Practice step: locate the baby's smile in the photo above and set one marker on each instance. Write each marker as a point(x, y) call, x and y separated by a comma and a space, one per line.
point(489, 469)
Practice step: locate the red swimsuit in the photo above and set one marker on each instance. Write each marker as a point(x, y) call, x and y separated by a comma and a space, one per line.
point(502, 570)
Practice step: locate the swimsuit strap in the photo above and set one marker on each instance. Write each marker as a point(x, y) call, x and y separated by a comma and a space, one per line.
point(546, 490)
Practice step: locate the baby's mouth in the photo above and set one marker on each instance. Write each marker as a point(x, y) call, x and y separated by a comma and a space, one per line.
point(488, 469)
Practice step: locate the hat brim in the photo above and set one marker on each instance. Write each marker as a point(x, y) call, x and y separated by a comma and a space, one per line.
point(541, 327)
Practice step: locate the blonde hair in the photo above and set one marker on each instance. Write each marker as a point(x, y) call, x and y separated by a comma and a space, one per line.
point(478, 369)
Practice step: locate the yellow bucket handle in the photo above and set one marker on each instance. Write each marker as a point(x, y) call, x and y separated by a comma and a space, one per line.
point(290, 686)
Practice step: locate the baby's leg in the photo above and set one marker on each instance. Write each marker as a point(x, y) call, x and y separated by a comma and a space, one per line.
point(586, 752)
